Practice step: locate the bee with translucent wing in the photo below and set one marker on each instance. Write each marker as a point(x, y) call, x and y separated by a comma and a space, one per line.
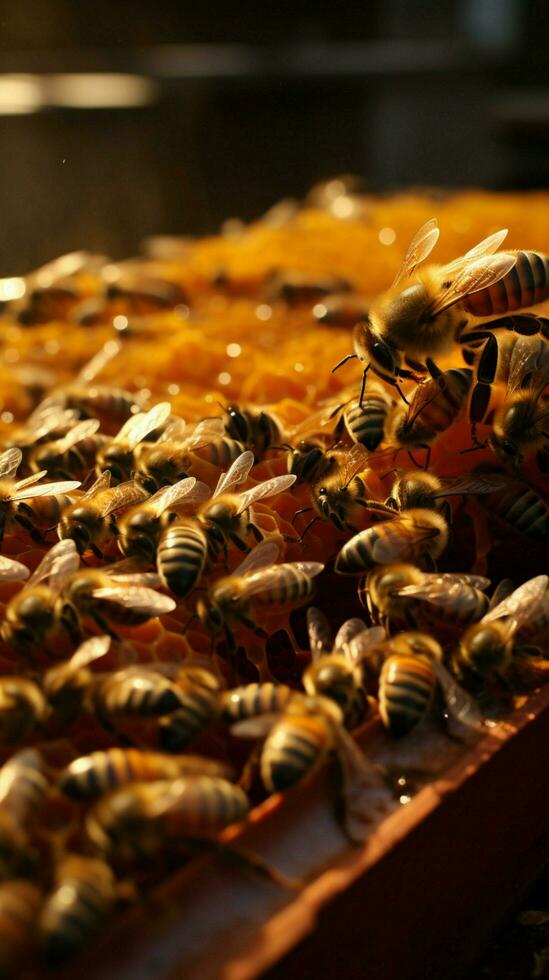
point(174, 454)
point(225, 518)
point(257, 583)
point(32, 615)
point(416, 535)
point(453, 598)
point(300, 740)
point(140, 528)
point(486, 648)
point(119, 455)
point(334, 672)
point(90, 520)
point(73, 454)
point(66, 685)
point(409, 677)
point(16, 494)
point(423, 315)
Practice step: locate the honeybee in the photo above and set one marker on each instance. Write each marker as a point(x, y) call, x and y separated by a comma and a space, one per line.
point(31, 615)
point(486, 648)
point(295, 288)
point(334, 672)
point(225, 518)
point(366, 423)
point(15, 494)
point(44, 424)
point(83, 895)
point(93, 775)
point(417, 535)
point(256, 430)
point(111, 405)
point(109, 595)
point(254, 699)
point(89, 522)
point(341, 310)
point(11, 570)
point(425, 314)
point(141, 819)
point(198, 691)
point(259, 583)
point(309, 462)
point(49, 292)
point(436, 405)
point(140, 528)
point(401, 596)
point(72, 454)
point(66, 685)
point(142, 294)
point(340, 495)
point(521, 423)
point(119, 455)
point(518, 505)
point(133, 692)
point(173, 455)
point(20, 902)
point(23, 791)
point(300, 740)
point(409, 678)
point(22, 707)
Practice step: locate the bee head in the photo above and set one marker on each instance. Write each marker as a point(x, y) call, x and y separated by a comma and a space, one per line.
point(237, 424)
point(116, 459)
point(486, 650)
point(382, 357)
point(506, 448)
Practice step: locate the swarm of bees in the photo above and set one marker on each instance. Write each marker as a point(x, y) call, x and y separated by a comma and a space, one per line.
point(149, 562)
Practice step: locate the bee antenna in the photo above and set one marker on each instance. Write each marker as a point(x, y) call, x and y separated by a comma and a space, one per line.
point(348, 357)
point(474, 449)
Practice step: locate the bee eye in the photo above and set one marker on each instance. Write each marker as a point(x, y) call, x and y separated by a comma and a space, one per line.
point(81, 532)
point(509, 448)
point(383, 356)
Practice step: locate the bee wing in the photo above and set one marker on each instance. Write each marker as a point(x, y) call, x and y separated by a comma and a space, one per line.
point(420, 247)
point(460, 705)
point(320, 634)
point(347, 632)
point(501, 591)
point(236, 474)
point(89, 651)
point(138, 426)
point(203, 433)
point(93, 367)
point(521, 604)
point(276, 575)
point(387, 549)
point(169, 496)
point(441, 590)
point(124, 495)
point(136, 597)
point(61, 560)
point(356, 459)
point(45, 490)
point(10, 461)
point(63, 267)
point(476, 483)
point(46, 418)
point(201, 765)
point(264, 553)
point(103, 482)
point(197, 495)
point(30, 480)
point(257, 727)
point(357, 649)
point(12, 571)
point(79, 432)
point(269, 488)
point(480, 274)
point(529, 364)
point(486, 247)
point(362, 786)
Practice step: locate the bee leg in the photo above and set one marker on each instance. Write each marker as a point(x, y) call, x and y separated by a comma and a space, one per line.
point(261, 867)
point(249, 624)
point(401, 393)
point(97, 552)
point(302, 510)
point(24, 522)
point(103, 625)
point(255, 531)
point(307, 528)
point(70, 623)
point(238, 542)
point(447, 512)
point(250, 767)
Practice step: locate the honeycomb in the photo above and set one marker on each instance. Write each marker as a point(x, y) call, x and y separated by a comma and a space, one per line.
point(231, 318)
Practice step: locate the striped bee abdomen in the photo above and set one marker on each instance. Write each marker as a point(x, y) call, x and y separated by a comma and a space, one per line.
point(406, 688)
point(292, 748)
point(254, 699)
point(526, 284)
point(181, 557)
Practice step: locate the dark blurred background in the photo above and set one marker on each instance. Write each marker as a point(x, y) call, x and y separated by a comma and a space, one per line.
point(120, 120)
